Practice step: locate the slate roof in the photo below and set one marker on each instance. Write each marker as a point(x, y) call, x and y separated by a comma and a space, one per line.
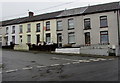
point(102, 7)
point(72, 12)
point(65, 13)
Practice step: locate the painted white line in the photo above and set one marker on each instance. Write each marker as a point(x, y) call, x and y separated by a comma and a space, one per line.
point(55, 58)
point(96, 60)
point(87, 61)
point(0, 72)
point(27, 68)
point(110, 59)
point(9, 71)
point(81, 60)
point(65, 63)
point(54, 64)
point(40, 66)
point(103, 59)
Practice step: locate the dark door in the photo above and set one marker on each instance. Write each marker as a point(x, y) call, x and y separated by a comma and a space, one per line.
point(38, 39)
point(87, 38)
point(59, 39)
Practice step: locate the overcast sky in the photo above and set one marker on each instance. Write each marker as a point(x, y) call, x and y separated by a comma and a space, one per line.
point(10, 9)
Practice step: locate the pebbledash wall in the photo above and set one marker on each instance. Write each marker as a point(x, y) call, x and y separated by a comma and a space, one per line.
point(78, 16)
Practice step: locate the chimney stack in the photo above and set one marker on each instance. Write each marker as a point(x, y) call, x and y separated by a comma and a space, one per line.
point(31, 14)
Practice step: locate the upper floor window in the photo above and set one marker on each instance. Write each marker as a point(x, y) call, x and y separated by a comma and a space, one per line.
point(6, 30)
point(20, 27)
point(28, 27)
point(70, 23)
point(38, 27)
point(13, 29)
point(48, 26)
point(71, 37)
point(87, 24)
point(59, 25)
point(104, 39)
point(103, 21)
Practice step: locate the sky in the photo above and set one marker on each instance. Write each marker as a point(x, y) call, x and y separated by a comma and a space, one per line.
point(10, 9)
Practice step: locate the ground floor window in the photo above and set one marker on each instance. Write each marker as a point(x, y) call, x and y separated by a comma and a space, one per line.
point(104, 37)
point(0, 38)
point(87, 38)
point(71, 38)
point(28, 38)
point(48, 38)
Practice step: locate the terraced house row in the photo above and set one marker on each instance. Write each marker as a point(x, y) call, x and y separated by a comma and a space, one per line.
point(97, 24)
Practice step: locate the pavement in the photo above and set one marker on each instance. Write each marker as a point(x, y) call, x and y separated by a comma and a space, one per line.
point(27, 66)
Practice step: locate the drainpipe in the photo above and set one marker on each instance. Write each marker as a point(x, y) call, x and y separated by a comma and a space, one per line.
point(43, 31)
point(118, 27)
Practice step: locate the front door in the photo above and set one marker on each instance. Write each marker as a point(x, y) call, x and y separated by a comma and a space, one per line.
point(59, 39)
point(38, 39)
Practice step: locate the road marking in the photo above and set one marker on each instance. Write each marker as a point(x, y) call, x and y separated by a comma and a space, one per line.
point(55, 58)
point(55, 65)
point(66, 63)
point(27, 68)
point(111, 59)
point(9, 71)
point(86, 61)
point(40, 66)
point(0, 72)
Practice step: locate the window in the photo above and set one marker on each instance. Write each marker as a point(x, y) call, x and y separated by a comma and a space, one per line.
point(20, 27)
point(6, 30)
point(0, 38)
point(71, 37)
point(29, 28)
point(48, 38)
point(103, 21)
point(21, 39)
point(38, 27)
point(28, 38)
point(104, 37)
point(59, 25)
point(70, 23)
point(13, 29)
point(87, 38)
point(48, 26)
point(87, 24)
point(13, 39)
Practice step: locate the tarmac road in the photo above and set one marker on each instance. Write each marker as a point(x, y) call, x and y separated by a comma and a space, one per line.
point(25, 66)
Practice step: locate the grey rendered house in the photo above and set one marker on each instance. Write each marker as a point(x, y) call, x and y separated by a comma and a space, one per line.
point(92, 25)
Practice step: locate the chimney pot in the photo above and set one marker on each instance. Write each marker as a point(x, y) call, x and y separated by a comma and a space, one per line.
point(31, 14)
